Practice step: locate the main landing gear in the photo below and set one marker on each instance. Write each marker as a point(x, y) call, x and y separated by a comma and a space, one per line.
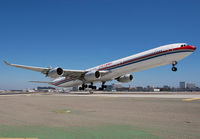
point(83, 87)
point(173, 66)
point(103, 86)
point(92, 87)
point(87, 86)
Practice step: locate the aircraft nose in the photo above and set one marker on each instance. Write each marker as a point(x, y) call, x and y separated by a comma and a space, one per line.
point(192, 47)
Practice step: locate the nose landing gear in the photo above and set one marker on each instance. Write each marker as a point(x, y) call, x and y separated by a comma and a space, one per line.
point(173, 66)
point(174, 69)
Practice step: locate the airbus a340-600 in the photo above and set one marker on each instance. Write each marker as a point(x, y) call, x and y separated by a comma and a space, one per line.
point(120, 70)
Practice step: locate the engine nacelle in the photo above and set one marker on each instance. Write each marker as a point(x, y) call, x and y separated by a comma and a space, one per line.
point(125, 78)
point(92, 75)
point(56, 72)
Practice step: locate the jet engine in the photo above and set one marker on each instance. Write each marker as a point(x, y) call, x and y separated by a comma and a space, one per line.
point(92, 75)
point(125, 78)
point(56, 72)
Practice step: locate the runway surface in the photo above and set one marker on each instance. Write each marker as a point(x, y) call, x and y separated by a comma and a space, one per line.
point(140, 96)
point(109, 94)
point(144, 115)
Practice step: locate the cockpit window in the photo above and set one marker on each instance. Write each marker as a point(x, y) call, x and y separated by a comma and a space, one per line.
point(183, 45)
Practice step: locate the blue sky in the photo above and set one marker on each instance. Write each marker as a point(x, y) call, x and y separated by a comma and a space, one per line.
point(82, 34)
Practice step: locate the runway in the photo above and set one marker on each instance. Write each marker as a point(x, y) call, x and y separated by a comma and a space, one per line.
point(180, 95)
point(71, 115)
point(138, 96)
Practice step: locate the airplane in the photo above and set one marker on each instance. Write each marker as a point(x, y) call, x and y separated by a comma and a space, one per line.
point(120, 70)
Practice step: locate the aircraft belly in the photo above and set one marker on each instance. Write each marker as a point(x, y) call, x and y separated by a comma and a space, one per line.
point(142, 65)
point(177, 56)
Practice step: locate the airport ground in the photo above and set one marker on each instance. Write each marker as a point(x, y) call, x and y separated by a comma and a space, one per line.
point(139, 115)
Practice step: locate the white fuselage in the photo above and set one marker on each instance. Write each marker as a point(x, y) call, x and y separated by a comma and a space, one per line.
point(159, 56)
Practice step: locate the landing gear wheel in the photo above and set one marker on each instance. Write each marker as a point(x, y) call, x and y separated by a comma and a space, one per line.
point(174, 63)
point(103, 86)
point(173, 66)
point(83, 87)
point(174, 69)
point(92, 86)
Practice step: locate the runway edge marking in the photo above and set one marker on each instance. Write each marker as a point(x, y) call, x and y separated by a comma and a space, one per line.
point(191, 99)
point(19, 138)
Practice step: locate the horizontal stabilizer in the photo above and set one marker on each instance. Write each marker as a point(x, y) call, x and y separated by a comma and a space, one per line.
point(41, 82)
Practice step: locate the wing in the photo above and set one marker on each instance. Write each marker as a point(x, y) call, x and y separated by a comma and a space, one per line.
point(75, 74)
point(38, 69)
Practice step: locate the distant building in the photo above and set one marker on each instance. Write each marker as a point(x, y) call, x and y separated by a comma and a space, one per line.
point(156, 90)
point(75, 88)
point(139, 88)
point(165, 88)
point(182, 85)
point(16, 90)
point(110, 88)
point(29, 90)
point(117, 86)
point(2, 91)
point(46, 89)
point(122, 89)
point(132, 89)
point(149, 88)
point(190, 85)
